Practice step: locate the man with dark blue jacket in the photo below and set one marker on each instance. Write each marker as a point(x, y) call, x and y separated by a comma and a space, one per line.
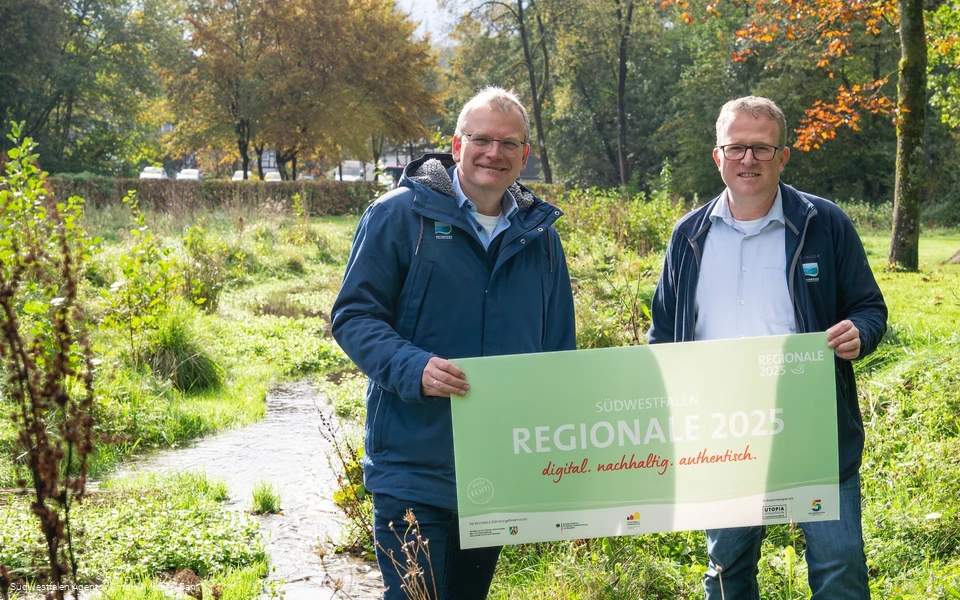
point(459, 261)
point(765, 259)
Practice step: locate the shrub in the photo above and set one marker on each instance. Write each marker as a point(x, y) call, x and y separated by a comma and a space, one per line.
point(868, 216)
point(205, 272)
point(641, 224)
point(175, 351)
point(149, 279)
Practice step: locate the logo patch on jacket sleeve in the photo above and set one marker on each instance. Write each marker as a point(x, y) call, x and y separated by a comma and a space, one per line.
point(443, 231)
point(811, 271)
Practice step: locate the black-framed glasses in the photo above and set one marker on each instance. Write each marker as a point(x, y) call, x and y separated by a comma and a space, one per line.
point(761, 152)
point(508, 146)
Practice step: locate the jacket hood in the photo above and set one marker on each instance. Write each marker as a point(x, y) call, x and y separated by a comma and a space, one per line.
point(435, 172)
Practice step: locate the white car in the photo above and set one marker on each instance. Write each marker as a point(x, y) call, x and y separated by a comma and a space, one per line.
point(306, 177)
point(153, 173)
point(349, 170)
point(238, 176)
point(189, 175)
point(272, 176)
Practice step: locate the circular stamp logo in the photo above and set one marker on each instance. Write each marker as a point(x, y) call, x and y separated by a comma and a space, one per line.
point(480, 491)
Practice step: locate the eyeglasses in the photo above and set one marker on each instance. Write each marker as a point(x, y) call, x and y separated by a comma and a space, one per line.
point(508, 146)
point(761, 152)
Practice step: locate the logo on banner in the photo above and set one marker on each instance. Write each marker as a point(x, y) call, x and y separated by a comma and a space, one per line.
point(634, 517)
point(514, 530)
point(775, 511)
point(571, 525)
point(480, 491)
point(811, 271)
point(817, 506)
point(443, 231)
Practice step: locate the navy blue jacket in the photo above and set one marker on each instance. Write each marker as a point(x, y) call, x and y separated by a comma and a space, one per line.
point(817, 231)
point(420, 284)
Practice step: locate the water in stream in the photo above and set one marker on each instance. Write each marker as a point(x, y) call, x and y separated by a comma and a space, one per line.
point(286, 450)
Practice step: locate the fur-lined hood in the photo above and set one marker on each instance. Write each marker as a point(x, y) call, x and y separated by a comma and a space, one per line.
point(431, 171)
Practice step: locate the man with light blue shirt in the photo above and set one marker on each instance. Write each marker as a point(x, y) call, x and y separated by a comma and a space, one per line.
point(766, 259)
point(460, 260)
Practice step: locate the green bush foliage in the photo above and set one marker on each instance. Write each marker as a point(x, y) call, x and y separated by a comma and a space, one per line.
point(206, 269)
point(347, 395)
point(149, 280)
point(868, 216)
point(639, 224)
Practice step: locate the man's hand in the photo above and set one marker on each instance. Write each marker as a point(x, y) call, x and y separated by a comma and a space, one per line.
point(844, 339)
point(441, 378)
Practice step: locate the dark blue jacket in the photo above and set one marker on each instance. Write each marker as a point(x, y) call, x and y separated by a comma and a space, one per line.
point(420, 284)
point(817, 231)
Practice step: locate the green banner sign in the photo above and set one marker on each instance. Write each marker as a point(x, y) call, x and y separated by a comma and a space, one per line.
point(644, 439)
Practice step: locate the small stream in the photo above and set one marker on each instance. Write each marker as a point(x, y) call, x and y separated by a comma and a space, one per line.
point(286, 450)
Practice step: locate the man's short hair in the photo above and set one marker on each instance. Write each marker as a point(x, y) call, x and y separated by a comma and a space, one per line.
point(756, 107)
point(494, 98)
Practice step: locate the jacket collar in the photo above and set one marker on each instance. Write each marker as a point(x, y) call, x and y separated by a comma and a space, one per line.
point(796, 211)
point(435, 171)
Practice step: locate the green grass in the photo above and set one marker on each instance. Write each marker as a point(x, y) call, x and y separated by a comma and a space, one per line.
point(910, 399)
point(203, 372)
point(266, 499)
point(272, 324)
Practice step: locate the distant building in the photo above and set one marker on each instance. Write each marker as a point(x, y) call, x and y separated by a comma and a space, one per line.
point(532, 171)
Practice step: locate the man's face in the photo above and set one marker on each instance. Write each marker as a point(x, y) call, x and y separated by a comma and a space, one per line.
point(751, 183)
point(493, 168)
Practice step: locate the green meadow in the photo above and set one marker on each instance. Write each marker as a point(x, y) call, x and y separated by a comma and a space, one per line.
point(270, 276)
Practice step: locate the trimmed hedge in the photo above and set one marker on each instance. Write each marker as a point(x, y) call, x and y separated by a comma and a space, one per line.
point(320, 197)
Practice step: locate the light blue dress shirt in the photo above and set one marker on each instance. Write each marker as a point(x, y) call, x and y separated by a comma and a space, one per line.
point(742, 289)
point(508, 207)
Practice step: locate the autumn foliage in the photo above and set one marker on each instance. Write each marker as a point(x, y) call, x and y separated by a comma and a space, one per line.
point(826, 31)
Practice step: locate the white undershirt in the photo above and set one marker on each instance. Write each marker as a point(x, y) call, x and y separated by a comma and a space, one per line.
point(489, 223)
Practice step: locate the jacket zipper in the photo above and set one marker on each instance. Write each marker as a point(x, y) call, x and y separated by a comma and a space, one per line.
point(802, 327)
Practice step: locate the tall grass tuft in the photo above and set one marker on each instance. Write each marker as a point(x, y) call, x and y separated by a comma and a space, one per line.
point(175, 350)
point(266, 499)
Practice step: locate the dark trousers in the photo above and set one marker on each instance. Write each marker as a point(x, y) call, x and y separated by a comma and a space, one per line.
point(455, 574)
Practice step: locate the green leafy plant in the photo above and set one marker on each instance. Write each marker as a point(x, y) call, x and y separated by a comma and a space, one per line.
point(299, 233)
point(149, 279)
point(48, 364)
point(205, 271)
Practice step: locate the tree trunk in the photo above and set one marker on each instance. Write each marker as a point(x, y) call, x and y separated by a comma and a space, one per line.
point(243, 144)
point(624, 25)
point(597, 124)
point(535, 98)
point(911, 104)
point(259, 151)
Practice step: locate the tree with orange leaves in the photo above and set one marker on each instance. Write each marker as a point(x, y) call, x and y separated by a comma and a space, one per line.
point(827, 31)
